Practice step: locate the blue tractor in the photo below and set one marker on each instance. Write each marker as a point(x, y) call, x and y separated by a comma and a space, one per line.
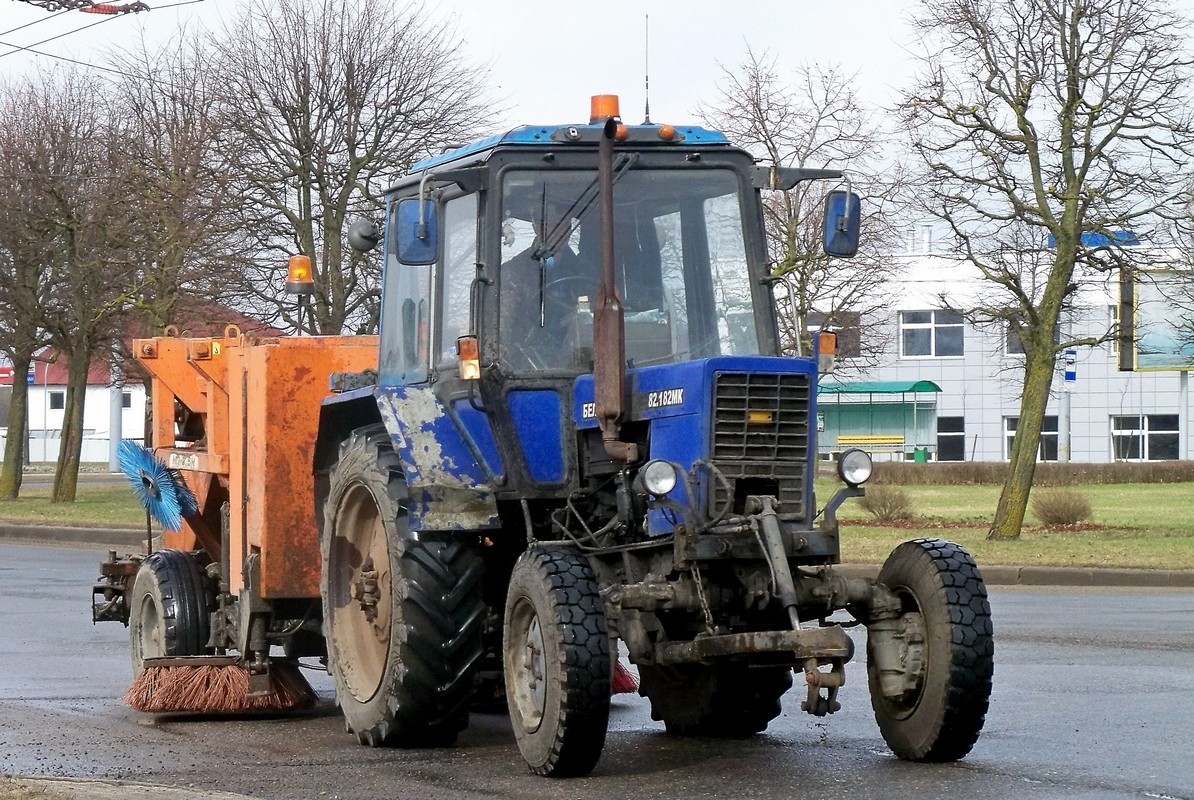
point(581, 431)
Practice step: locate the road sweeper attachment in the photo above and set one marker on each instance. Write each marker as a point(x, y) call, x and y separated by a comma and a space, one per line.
point(229, 479)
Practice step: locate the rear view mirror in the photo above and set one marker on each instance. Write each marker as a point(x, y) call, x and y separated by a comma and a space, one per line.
point(363, 235)
point(843, 217)
point(416, 234)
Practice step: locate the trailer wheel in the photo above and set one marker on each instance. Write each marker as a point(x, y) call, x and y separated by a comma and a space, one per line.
point(169, 608)
point(557, 662)
point(951, 649)
point(402, 611)
point(726, 700)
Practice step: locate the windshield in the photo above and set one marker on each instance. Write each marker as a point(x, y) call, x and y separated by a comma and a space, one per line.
point(679, 256)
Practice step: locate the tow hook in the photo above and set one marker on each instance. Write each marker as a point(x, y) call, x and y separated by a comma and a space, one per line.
point(765, 524)
point(817, 704)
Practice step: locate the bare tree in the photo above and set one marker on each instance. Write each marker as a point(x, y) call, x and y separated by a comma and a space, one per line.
point(1060, 123)
point(323, 104)
point(78, 185)
point(24, 268)
point(814, 121)
point(184, 235)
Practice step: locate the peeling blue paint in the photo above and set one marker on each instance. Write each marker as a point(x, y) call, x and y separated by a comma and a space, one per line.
point(448, 488)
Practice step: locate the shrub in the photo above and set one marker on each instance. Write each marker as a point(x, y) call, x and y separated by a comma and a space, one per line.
point(887, 503)
point(1056, 507)
point(947, 473)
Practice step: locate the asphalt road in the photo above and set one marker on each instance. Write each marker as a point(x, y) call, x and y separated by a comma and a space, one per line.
point(1094, 698)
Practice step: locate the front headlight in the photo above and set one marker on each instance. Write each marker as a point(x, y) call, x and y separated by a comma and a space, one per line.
point(657, 478)
point(854, 467)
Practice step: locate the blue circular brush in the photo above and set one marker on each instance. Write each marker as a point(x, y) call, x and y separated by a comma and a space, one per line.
point(161, 490)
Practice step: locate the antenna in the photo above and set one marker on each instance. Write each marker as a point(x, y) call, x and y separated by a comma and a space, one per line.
point(646, 69)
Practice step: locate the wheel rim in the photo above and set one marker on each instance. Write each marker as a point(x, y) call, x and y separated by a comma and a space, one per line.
point(918, 650)
point(527, 670)
point(152, 640)
point(360, 585)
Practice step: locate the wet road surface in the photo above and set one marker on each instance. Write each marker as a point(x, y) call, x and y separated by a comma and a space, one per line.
point(1094, 698)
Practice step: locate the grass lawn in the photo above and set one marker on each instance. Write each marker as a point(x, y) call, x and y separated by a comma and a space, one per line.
point(96, 506)
point(1132, 525)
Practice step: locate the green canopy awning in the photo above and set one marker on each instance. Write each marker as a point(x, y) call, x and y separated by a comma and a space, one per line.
point(880, 387)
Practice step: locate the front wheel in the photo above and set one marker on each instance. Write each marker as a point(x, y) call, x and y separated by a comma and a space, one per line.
point(557, 662)
point(947, 653)
point(169, 608)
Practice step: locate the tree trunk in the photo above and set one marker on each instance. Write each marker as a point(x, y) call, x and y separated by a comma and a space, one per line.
point(1013, 500)
point(12, 471)
point(66, 477)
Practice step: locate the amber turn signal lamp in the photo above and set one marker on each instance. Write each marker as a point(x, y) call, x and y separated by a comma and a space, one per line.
point(470, 361)
point(826, 351)
point(298, 276)
point(827, 344)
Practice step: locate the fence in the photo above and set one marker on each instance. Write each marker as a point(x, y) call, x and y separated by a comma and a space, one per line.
point(43, 447)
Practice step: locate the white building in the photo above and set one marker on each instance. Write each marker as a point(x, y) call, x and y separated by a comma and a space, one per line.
point(1112, 415)
point(47, 404)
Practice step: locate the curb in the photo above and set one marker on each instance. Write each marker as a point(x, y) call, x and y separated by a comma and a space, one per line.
point(129, 539)
point(65, 535)
point(98, 789)
point(1060, 576)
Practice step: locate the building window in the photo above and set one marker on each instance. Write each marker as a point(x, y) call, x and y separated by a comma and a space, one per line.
point(1013, 345)
point(1144, 437)
point(846, 324)
point(951, 438)
point(126, 399)
point(930, 334)
point(57, 401)
point(1046, 450)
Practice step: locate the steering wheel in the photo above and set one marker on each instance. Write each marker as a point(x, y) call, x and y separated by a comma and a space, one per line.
point(582, 285)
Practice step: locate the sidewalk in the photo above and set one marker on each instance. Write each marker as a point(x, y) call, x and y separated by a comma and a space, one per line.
point(123, 539)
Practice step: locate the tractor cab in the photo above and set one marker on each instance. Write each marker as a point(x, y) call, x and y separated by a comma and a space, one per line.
point(492, 295)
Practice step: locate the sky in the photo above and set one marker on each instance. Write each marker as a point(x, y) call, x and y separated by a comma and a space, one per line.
point(545, 59)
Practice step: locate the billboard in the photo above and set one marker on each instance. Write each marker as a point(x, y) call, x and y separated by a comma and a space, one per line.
point(1157, 308)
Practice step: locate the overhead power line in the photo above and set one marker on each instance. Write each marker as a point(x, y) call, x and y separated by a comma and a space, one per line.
point(88, 6)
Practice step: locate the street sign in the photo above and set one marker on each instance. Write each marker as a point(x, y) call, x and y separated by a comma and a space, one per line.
point(31, 376)
point(1071, 365)
point(6, 375)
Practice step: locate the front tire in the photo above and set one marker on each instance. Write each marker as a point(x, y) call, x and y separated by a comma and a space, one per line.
point(948, 619)
point(170, 608)
point(557, 662)
point(402, 611)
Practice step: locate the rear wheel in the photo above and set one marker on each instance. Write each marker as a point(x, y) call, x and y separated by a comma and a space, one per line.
point(169, 608)
point(403, 613)
point(723, 700)
point(947, 650)
point(557, 662)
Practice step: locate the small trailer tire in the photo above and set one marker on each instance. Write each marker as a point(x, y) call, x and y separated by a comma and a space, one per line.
point(169, 608)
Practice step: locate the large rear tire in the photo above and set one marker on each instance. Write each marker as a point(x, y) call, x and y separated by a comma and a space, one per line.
point(949, 648)
point(169, 608)
point(402, 611)
point(726, 700)
point(557, 662)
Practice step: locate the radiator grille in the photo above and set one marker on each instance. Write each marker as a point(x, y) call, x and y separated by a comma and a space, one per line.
point(761, 432)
